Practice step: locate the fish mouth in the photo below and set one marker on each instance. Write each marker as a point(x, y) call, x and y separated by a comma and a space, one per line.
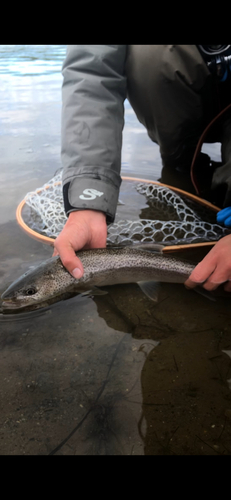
point(9, 305)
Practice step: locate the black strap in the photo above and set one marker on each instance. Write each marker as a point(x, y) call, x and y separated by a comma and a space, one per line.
point(199, 146)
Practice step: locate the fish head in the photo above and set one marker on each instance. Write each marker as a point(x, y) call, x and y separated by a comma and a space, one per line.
point(37, 287)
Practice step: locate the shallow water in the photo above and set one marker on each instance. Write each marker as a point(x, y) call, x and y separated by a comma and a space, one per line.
point(107, 375)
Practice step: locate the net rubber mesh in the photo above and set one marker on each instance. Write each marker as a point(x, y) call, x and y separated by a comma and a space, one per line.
point(182, 220)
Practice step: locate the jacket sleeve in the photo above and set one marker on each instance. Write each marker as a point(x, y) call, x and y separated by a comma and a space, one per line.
point(93, 94)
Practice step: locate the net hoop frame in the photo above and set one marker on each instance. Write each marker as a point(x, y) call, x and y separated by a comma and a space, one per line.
point(173, 248)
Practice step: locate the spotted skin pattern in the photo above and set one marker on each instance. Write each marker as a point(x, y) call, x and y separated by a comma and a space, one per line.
point(102, 267)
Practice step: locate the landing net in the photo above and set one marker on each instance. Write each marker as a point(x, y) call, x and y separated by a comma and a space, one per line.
point(175, 219)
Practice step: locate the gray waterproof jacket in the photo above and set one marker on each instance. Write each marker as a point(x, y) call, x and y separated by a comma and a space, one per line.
point(92, 124)
point(173, 95)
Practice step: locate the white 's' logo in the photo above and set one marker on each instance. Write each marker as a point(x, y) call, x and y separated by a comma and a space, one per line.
point(90, 194)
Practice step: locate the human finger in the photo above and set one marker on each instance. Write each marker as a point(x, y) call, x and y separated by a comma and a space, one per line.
point(70, 260)
point(220, 275)
point(227, 222)
point(223, 214)
point(200, 274)
point(55, 252)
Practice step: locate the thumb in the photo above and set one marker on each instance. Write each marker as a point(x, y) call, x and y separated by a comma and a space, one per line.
point(69, 259)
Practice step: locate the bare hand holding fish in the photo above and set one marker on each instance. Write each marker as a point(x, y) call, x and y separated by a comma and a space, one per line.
point(214, 269)
point(83, 229)
point(144, 264)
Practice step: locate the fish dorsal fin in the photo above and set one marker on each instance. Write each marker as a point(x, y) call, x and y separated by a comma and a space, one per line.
point(145, 247)
point(148, 247)
point(150, 288)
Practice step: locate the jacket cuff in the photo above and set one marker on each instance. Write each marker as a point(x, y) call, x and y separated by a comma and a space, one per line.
point(85, 193)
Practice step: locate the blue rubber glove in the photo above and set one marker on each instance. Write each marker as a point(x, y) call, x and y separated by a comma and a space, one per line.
point(224, 216)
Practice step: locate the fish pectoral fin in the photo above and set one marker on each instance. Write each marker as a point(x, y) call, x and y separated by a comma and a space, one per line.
point(94, 291)
point(150, 288)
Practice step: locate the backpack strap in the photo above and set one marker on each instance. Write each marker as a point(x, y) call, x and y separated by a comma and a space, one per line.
point(194, 178)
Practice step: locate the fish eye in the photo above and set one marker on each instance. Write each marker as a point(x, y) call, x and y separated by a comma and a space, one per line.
point(30, 290)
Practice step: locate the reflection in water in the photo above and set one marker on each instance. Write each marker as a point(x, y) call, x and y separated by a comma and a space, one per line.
point(109, 417)
point(179, 411)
